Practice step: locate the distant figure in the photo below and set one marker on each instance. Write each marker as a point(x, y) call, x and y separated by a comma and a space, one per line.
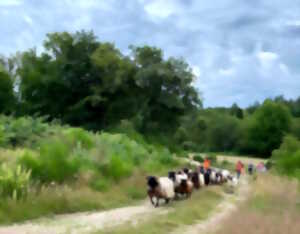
point(250, 168)
point(239, 168)
point(206, 164)
point(261, 167)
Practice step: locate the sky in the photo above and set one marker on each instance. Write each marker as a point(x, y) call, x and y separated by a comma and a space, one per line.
point(240, 51)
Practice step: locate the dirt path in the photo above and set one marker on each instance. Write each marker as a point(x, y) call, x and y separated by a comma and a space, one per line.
point(81, 223)
point(245, 160)
point(223, 210)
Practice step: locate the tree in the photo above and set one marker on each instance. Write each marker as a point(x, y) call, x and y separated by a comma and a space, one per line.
point(89, 83)
point(166, 88)
point(267, 128)
point(7, 98)
point(235, 110)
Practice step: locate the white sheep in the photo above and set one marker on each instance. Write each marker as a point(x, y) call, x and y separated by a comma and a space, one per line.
point(161, 187)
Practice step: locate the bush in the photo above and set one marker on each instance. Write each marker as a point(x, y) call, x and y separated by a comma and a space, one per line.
point(198, 158)
point(14, 182)
point(118, 168)
point(23, 131)
point(287, 157)
point(78, 136)
point(54, 162)
point(189, 145)
point(100, 184)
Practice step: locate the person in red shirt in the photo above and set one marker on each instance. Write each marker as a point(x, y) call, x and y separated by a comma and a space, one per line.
point(206, 164)
point(239, 168)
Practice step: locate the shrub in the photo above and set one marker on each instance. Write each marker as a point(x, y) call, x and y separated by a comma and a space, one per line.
point(287, 157)
point(78, 136)
point(118, 168)
point(14, 182)
point(21, 131)
point(54, 162)
point(189, 145)
point(198, 158)
point(100, 184)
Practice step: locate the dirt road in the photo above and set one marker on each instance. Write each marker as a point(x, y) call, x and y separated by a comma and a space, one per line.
point(223, 210)
point(81, 223)
point(245, 160)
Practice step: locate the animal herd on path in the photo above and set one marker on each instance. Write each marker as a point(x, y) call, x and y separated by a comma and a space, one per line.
point(183, 182)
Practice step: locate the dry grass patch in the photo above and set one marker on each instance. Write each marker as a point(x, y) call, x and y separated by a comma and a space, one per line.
point(272, 209)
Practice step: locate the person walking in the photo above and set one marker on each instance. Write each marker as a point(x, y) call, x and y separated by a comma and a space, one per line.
point(239, 168)
point(206, 164)
point(250, 168)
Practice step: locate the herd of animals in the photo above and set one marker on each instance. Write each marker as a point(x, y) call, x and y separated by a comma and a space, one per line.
point(183, 182)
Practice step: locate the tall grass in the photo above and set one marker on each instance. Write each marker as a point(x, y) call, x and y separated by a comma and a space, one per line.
point(273, 208)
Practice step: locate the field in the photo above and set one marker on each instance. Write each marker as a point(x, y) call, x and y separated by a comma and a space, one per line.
point(273, 208)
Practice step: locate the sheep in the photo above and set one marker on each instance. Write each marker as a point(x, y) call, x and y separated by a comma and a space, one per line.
point(201, 179)
point(207, 177)
point(212, 177)
point(233, 180)
point(161, 187)
point(195, 178)
point(182, 184)
point(187, 171)
point(225, 175)
point(219, 177)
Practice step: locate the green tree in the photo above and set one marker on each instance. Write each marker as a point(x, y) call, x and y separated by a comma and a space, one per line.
point(166, 87)
point(7, 98)
point(235, 110)
point(267, 128)
point(85, 82)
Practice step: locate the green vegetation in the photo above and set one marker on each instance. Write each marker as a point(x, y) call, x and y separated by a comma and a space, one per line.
point(287, 157)
point(82, 116)
point(143, 94)
point(184, 213)
point(7, 98)
point(68, 169)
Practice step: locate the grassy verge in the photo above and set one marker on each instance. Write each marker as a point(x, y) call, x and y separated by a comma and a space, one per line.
point(273, 208)
point(185, 212)
point(63, 169)
point(59, 199)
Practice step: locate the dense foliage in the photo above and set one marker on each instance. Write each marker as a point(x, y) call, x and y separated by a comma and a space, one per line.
point(7, 98)
point(287, 157)
point(50, 168)
point(89, 83)
point(84, 82)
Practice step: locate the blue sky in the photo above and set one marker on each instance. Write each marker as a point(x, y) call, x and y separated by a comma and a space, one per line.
point(240, 50)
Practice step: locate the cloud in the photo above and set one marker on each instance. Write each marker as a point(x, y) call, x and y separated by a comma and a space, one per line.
point(161, 8)
point(240, 51)
point(7, 3)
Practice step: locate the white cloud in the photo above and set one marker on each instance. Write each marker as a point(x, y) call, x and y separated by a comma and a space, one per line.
point(267, 59)
point(4, 3)
point(28, 20)
point(196, 70)
point(161, 8)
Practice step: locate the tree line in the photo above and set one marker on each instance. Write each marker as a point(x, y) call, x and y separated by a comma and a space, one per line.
point(85, 82)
